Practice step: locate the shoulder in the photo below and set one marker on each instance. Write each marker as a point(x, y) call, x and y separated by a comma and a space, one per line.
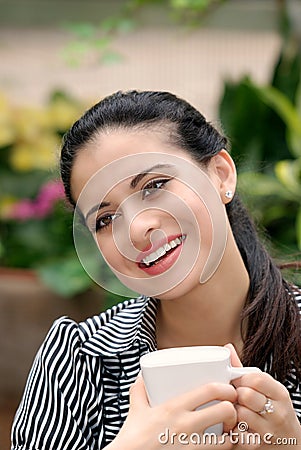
point(59, 348)
point(113, 330)
point(71, 338)
point(126, 312)
point(66, 379)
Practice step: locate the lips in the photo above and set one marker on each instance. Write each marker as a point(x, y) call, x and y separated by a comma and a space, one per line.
point(161, 255)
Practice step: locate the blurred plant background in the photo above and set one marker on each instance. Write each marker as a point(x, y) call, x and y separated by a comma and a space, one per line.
point(238, 61)
point(262, 122)
point(35, 222)
point(264, 126)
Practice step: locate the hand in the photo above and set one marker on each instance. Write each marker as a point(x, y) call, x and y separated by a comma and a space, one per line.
point(276, 427)
point(145, 424)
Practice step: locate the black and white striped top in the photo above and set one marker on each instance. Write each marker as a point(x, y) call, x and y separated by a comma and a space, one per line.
point(77, 393)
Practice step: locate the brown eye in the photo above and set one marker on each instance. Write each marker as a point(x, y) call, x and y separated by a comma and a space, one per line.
point(104, 221)
point(153, 186)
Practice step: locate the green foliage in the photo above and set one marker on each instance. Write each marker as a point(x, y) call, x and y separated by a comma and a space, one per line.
point(197, 6)
point(35, 224)
point(264, 126)
point(66, 274)
point(193, 12)
point(288, 112)
point(93, 43)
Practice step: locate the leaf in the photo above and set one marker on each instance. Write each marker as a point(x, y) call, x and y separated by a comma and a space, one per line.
point(120, 24)
point(110, 57)
point(81, 30)
point(287, 72)
point(101, 43)
point(287, 111)
point(298, 99)
point(125, 25)
point(288, 172)
point(240, 106)
point(298, 228)
point(198, 5)
point(1, 249)
point(262, 185)
point(75, 51)
point(66, 277)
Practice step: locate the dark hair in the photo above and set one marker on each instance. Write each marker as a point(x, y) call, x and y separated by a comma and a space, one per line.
point(271, 314)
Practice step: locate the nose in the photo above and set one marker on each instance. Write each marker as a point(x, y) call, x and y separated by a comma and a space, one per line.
point(141, 227)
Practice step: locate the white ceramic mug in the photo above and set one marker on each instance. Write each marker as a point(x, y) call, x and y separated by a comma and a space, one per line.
point(174, 371)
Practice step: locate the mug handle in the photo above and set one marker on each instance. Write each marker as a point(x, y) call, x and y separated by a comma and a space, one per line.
point(236, 372)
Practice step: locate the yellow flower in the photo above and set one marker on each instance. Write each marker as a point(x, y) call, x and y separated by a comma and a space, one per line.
point(21, 157)
point(30, 123)
point(39, 155)
point(7, 134)
point(6, 204)
point(47, 151)
point(62, 113)
point(7, 128)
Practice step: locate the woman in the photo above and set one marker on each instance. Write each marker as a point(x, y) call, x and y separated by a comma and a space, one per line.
point(155, 185)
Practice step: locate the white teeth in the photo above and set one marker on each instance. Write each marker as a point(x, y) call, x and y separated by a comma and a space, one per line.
point(162, 250)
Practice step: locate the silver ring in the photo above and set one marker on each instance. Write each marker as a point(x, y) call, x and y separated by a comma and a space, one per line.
point(268, 407)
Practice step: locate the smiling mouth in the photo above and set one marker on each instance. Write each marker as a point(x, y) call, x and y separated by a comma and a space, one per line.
point(161, 252)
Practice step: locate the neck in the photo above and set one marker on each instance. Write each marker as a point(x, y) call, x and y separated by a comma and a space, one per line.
point(211, 313)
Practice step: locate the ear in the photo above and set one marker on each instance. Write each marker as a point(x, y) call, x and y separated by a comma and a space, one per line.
point(225, 175)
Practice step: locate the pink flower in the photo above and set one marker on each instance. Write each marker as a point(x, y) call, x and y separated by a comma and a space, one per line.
point(40, 207)
point(22, 210)
point(51, 191)
point(49, 194)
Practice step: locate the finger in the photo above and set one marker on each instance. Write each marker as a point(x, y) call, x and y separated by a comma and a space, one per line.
point(250, 398)
point(206, 393)
point(235, 361)
point(252, 419)
point(138, 396)
point(265, 384)
point(221, 412)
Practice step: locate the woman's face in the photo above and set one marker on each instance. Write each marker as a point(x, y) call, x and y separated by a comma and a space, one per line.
point(158, 217)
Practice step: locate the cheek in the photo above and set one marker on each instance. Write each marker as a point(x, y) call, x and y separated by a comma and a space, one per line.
point(108, 248)
point(110, 252)
point(202, 220)
point(205, 226)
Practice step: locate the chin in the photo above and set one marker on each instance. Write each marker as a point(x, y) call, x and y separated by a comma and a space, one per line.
point(187, 286)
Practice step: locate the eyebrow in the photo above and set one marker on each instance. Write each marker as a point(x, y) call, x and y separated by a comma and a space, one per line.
point(142, 174)
point(137, 178)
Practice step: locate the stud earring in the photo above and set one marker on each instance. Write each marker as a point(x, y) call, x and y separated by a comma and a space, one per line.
point(229, 194)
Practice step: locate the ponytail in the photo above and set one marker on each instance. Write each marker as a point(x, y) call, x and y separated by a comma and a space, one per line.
point(271, 315)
